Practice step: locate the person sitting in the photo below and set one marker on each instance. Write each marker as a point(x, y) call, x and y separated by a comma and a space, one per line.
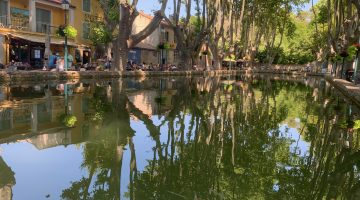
point(128, 66)
point(107, 63)
point(173, 68)
point(151, 67)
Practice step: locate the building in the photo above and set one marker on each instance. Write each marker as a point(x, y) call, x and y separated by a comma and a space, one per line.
point(148, 50)
point(24, 25)
point(7, 181)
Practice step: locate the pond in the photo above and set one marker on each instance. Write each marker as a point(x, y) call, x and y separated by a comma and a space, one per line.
point(240, 137)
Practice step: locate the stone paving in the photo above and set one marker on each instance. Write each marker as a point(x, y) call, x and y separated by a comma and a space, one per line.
point(349, 89)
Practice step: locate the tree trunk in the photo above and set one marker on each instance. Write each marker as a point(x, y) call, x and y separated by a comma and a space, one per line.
point(121, 49)
point(126, 40)
point(215, 52)
point(185, 59)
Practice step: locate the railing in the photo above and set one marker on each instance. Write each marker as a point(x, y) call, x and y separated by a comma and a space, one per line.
point(3, 21)
point(23, 23)
point(44, 28)
point(19, 23)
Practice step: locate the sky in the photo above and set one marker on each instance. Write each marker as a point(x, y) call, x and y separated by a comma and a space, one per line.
point(149, 6)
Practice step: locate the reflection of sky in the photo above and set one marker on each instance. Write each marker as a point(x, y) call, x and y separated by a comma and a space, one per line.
point(298, 146)
point(143, 144)
point(39, 173)
point(144, 147)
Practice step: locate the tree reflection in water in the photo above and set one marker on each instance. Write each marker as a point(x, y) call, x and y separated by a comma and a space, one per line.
point(226, 140)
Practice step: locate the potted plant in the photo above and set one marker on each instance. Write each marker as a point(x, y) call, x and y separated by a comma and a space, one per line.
point(68, 120)
point(357, 45)
point(160, 46)
point(67, 30)
point(163, 46)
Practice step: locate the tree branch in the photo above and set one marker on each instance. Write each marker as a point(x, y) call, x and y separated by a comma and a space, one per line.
point(150, 28)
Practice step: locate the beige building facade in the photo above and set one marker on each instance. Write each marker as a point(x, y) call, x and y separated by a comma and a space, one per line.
point(25, 24)
point(148, 50)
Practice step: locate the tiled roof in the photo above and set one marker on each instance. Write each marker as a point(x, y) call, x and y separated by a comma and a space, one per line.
point(59, 2)
point(142, 13)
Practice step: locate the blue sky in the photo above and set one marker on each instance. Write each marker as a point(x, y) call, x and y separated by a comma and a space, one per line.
point(151, 5)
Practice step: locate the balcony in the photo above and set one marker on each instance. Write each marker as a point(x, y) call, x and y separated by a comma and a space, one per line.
point(23, 24)
point(45, 28)
point(3, 21)
point(18, 23)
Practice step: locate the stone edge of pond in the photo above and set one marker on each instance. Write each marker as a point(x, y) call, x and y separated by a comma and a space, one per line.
point(348, 89)
point(40, 76)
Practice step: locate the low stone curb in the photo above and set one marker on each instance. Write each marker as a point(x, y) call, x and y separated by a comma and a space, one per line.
point(97, 75)
point(348, 89)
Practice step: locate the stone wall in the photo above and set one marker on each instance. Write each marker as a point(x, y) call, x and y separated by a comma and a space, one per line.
point(40, 76)
point(2, 50)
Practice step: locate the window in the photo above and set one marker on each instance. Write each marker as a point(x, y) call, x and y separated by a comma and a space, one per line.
point(163, 35)
point(86, 5)
point(17, 12)
point(43, 20)
point(167, 36)
point(37, 54)
point(86, 30)
point(3, 12)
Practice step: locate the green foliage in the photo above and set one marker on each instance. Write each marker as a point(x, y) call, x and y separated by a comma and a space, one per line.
point(100, 105)
point(68, 120)
point(352, 51)
point(68, 31)
point(356, 124)
point(196, 23)
point(296, 48)
point(100, 34)
point(163, 46)
point(321, 10)
point(282, 57)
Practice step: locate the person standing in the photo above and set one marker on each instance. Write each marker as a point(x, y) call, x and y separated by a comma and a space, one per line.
point(70, 61)
point(60, 64)
point(52, 61)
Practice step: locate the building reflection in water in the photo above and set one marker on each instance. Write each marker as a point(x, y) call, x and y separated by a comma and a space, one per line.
point(213, 137)
point(7, 181)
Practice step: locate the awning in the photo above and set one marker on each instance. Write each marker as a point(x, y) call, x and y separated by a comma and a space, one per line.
point(41, 39)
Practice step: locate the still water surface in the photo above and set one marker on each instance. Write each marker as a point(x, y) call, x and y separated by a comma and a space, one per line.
point(179, 138)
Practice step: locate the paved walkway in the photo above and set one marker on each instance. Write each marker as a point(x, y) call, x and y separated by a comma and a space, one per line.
point(349, 89)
